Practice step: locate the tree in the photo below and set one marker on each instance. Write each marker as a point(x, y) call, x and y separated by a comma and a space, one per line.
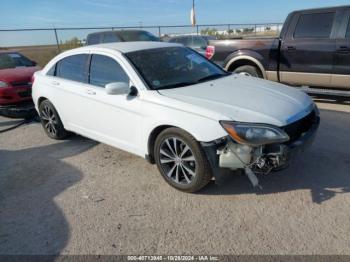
point(248, 30)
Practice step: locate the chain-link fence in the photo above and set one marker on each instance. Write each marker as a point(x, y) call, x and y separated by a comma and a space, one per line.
point(41, 44)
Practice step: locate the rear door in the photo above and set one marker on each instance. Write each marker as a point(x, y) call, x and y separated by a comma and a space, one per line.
point(341, 71)
point(307, 52)
point(67, 80)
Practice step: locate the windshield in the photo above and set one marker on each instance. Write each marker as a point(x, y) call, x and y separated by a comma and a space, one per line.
point(13, 60)
point(132, 36)
point(173, 67)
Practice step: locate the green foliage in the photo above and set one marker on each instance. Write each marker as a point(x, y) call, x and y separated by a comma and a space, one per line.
point(248, 30)
point(70, 44)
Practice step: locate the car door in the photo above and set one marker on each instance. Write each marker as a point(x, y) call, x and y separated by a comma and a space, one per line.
point(341, 70)
point(67, 81)
point(112, 119)
point(308, 48)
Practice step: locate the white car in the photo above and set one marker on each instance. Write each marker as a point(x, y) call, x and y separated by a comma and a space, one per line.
point(172, 106)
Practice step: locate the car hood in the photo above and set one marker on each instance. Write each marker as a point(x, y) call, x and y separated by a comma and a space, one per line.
point(246, 99)
point(17, 74)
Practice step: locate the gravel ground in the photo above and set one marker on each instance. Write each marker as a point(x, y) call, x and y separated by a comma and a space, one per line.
point(82, 197)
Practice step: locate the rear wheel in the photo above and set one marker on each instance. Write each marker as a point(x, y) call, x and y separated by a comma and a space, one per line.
point(51, 121)
point(248, 70)
point(181, 160)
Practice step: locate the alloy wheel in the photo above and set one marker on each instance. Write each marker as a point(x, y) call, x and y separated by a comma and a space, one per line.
point(49, 119)
point(177, 161)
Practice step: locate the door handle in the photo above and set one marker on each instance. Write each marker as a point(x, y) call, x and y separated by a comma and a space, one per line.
point(90, 92)
point(55, 83)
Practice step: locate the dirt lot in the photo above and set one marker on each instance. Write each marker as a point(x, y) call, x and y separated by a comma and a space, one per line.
point(82, 197)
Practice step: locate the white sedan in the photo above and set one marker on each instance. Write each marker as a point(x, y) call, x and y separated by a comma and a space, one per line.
point(172, 106)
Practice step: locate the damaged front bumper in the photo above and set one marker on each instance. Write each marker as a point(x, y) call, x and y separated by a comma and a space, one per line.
point(19, 110)
point(258, 160)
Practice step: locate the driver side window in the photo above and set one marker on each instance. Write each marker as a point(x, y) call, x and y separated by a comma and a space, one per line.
point(105, 70)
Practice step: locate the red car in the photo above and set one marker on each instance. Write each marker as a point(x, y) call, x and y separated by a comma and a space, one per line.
point(16, 72)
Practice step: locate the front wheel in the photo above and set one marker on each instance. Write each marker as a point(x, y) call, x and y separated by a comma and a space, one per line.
point(248, 70)
point(181, 160)
point(51, 121)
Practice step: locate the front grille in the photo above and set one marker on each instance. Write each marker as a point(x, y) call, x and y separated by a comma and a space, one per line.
point(296, 129)
point(21, 83)
point(25, 93)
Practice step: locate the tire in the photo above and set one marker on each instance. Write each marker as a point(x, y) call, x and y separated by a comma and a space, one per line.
point(248, 70)
point(51, 121)
point(185, 167)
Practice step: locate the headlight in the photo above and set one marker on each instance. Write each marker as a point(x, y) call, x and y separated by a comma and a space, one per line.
point(254, 134)
point(3, 84)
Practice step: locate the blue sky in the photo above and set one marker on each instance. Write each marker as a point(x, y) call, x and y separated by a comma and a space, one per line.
point(68, 13)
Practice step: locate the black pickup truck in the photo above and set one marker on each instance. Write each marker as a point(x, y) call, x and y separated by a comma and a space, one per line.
point(313, 49)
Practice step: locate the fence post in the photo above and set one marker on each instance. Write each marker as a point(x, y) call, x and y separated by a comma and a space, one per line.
point(159, 32)
point(57, 43)
point(197, 29)
point(255, 29)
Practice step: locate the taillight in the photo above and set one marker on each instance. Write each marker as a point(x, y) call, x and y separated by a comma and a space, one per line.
point(210, 51)
point(32, 79)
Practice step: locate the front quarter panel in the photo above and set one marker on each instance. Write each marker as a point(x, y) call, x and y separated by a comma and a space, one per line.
point(162, 111)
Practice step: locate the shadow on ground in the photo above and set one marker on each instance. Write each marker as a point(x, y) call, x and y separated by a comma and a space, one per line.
point(324, 168)
point(30, 179)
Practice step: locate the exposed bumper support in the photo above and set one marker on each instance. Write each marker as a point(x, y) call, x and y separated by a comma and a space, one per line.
point(256, 160)
point(22, 110)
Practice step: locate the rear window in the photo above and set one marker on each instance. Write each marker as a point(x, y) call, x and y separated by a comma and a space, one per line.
point(93, 39)
point(73, 68)
point(196, 42)
point(110, 38)
point(317, 25)
point(131, 36)
point(13, 60)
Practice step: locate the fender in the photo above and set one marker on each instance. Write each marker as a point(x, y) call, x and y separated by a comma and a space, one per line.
point(250, 55)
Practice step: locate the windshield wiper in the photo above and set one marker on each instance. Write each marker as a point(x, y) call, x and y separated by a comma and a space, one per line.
point(181, 84)
point(211, 77)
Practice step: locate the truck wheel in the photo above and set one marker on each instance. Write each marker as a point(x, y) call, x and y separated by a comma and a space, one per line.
point(248, 70)
point(181, 160)
point(51, 121)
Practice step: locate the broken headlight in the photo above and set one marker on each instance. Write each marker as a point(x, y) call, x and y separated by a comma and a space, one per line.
point(254, 134)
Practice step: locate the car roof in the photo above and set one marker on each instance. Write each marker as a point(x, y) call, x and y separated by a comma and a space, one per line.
point(126, 47)
point(330, 8)
point(118, 31)
point(8, 52)
point(186, 36)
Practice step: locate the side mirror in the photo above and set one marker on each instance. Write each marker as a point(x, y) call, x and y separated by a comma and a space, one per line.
point(117, 88)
